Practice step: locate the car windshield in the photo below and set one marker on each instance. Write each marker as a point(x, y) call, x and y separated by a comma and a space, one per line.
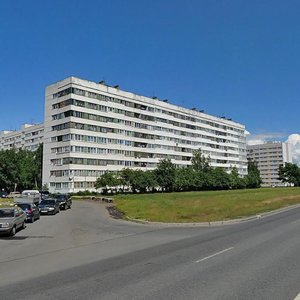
point(24, 206)
point(47, 202)
point(60, 197)
point(6, 213)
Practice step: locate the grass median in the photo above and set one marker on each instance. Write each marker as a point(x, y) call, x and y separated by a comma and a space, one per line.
point(205, 206)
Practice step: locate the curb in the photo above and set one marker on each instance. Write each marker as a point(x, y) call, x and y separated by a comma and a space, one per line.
point(219, 223)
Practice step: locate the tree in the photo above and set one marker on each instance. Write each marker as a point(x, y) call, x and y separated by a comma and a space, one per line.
point(185, 179)
point(253, 179)
point(200, 162)
point(166, 174)
point(289, 173)
point(127, 179)
point(38, 165)
point(21, 169)
point(26, 169)
point(235, 180)
point(109, 180)
point(143, 181)
point(8, 169)
point(220, 179)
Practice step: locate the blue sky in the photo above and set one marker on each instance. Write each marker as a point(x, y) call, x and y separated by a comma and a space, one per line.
point(234, 58)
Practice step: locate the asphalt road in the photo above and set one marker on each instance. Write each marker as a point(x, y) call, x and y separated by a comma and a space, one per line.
point(83, 254)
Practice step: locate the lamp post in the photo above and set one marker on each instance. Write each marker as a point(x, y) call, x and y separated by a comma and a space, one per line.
point(72, 179)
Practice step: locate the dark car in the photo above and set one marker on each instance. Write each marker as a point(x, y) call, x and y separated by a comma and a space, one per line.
point(31, 210)
point(49, 206)
point(64, 200)
point(44, 194)
point(3, 194)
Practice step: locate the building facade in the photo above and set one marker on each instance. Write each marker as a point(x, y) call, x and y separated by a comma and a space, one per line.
point(92, 127)
point(29, 137)
point(269, 156)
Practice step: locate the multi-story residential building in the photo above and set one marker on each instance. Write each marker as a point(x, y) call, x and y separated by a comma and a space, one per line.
point(29, 137)
point(92, 127)
point(269, 156)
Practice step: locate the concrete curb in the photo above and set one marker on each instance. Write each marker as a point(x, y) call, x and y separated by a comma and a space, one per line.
point(219, 223)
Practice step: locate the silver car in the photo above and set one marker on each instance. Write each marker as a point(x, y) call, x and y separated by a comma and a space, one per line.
point(11, 219)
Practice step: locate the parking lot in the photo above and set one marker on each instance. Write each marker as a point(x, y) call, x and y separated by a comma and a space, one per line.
point(80, 235)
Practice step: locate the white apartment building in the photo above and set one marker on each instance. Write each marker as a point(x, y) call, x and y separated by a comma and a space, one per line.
point(92, 127)
point(269, 156)
point(29, 137)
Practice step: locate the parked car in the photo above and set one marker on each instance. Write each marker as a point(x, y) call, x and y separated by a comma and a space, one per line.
point(64, 200)
point(14, 195)
point(27, 193)
point(11, 219)
point(31, 210)
point(28, 199)
point(44, 194)
point(3, 194)
point(49, 206)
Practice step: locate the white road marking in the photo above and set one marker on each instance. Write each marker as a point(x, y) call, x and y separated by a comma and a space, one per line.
point(215, 254)
point(297, 297)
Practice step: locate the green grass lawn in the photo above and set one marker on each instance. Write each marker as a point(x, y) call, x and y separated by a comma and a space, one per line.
point(205, 206)
point(6, 202)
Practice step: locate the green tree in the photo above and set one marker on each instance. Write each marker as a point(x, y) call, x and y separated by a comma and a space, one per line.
point(219, 179)
point(235, 180)
point(200, 162)
point(8, 169)
point(289, 173)
point(185, 179)
point(108, 181)
point(253, 179)
point(143, 181)
point(38, 165)
point(127, 179)
point(166, 174)
point(26, 169)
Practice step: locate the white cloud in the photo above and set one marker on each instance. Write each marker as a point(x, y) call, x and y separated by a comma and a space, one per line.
point(255, 142)
point(294, 140)
point(256, 139)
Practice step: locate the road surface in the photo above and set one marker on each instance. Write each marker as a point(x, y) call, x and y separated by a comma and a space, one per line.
point(84, 254)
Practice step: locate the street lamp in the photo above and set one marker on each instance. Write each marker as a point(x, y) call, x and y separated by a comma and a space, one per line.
point(72, 178)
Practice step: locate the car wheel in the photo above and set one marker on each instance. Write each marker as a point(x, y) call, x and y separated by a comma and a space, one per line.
point(13, 231)
point(23, 225)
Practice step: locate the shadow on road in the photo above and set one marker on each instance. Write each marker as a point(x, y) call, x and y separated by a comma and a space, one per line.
point(20, 238)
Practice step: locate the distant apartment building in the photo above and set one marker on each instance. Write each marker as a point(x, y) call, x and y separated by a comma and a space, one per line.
point(29, 137)
point(92, 127)
point(269, 156)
